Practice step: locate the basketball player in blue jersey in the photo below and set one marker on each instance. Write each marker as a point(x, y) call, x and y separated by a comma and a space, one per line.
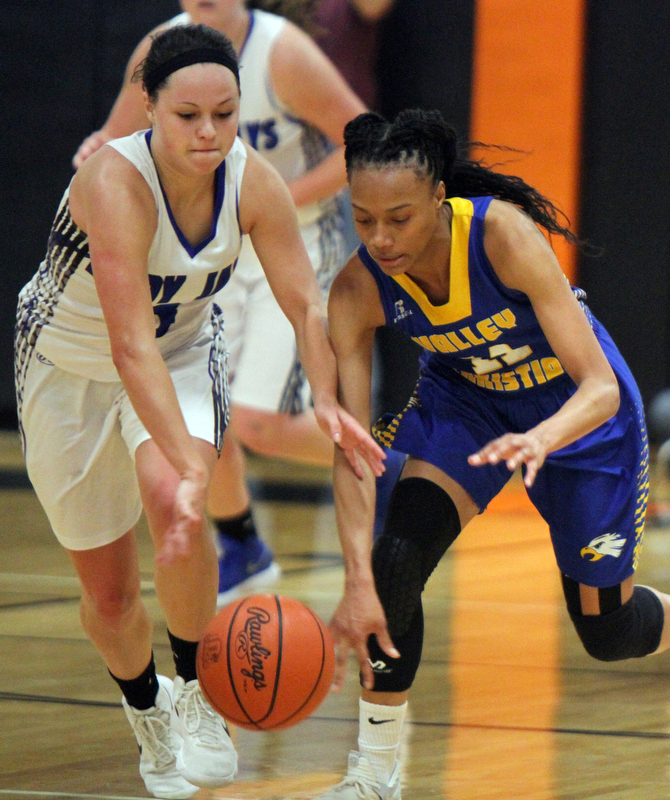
point(294, 106)
point(122, 386)
point(515, 372)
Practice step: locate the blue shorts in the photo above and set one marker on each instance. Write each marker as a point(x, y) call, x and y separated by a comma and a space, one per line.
point(592, 494)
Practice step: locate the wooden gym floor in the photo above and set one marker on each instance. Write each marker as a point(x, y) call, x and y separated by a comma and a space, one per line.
point(506, 704)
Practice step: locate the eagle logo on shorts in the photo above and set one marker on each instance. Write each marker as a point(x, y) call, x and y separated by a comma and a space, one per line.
point(609, 544)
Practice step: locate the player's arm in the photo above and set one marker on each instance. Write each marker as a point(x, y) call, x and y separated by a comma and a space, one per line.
point(523, 260)
point(306, 82)
point(354, 313)
point(111, 201)
point(267, 213)
point(128, 113)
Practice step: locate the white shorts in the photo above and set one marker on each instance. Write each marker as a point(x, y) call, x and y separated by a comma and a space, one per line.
point(265, 373)
point(80, 438)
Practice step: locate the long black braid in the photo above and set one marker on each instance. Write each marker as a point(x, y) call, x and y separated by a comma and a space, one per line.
point(424, 141)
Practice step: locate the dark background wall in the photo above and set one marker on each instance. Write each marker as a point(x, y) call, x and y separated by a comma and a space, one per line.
point(62, 65)
point(425, 61)
point(63, 62)
point(625, 199)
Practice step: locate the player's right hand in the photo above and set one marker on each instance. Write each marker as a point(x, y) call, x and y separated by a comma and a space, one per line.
point(188, 520)
point(358, 615)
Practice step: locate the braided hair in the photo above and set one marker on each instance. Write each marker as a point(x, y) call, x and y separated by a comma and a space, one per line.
point(422, 140)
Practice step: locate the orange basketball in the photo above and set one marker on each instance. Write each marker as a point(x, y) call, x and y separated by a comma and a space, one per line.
point(266, 662)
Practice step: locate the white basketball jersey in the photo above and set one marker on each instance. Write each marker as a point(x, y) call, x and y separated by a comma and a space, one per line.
point(59, 311)
point(292, 146)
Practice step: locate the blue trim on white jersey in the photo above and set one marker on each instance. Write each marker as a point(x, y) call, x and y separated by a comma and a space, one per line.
point(219, 194)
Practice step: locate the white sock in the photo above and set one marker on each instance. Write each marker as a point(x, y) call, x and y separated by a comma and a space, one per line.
point(379, 736)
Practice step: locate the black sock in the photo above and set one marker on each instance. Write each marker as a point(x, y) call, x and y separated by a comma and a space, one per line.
point(140, 692)
point(183, 653)
point(239, 528)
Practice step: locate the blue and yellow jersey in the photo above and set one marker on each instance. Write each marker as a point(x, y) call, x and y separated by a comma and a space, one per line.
point(486, 332)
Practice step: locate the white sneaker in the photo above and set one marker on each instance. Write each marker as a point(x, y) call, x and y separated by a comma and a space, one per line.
point(361, 783)
point(158, 745)
point(207, 756)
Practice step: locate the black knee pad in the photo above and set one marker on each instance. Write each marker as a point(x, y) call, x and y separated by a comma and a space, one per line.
point(422, 522)
point(631, 631)
point(397, 674)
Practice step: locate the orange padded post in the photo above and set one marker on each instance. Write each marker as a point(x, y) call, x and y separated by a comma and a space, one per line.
point(527, 83)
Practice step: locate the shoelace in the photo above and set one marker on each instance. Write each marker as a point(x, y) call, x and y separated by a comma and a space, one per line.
point(151, 730)
point(359, 778)
point(199, 719)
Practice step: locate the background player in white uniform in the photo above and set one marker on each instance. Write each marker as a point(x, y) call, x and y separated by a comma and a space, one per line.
point(120, 371)
point(294, 105)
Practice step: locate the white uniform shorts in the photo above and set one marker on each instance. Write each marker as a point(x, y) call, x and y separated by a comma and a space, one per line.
point(80, 438)
point(264, 370)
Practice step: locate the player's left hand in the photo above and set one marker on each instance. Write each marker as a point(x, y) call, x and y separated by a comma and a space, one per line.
point(350, 435)
point(514, 449)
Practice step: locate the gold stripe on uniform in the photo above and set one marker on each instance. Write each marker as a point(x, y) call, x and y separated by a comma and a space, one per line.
point(459, 305)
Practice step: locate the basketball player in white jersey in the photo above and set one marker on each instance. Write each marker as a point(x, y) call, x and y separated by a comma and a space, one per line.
point(294, 106)
point(122, 387)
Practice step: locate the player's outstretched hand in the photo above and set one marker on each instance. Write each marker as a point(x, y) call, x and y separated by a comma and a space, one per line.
point(189, 517)
point(358, 615)
point(352, 437)
point(514, 449)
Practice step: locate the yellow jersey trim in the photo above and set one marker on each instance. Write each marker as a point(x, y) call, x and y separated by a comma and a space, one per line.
point(459, 305)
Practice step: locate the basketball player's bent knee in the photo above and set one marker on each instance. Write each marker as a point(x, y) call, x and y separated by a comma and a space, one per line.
point(111, 608)
point(258, 430)
point(632, 630)
point(422, 522)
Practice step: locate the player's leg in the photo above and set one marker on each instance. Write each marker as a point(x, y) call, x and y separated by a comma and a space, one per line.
point(596, 531)
point(92, 516)
point(246, 562)
point(437, 495)
point(117, 623)
point(228, 493)
point(84, 478)
point(598, 534)
point(112, 612)
point(594, 497)
point(187, 587)
point(425, 515)
point(664, 642)
point(186, 590)
point(620, 621)
point(294, 437)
